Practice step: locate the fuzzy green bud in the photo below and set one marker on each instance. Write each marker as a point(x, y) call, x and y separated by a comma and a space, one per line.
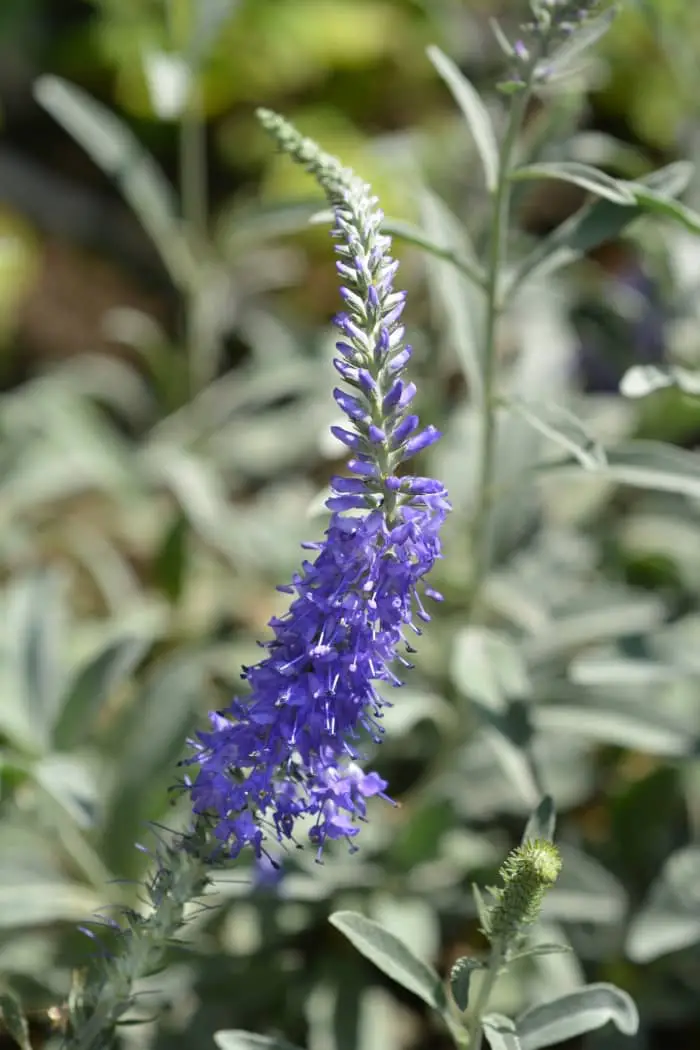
point(528, 872)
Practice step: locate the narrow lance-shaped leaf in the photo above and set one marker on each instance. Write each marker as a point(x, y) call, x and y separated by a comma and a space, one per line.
point(392, 956)
point(603, 220)
point(583, 175)
point(119, 154)
point(474, 110)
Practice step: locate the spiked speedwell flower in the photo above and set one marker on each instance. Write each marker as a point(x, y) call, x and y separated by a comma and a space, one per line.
point(290, 749)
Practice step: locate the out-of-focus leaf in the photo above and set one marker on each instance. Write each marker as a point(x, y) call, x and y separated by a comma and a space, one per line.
point(647, 465)
point(392, 956)
point(198, 488)
point(489, 668)
point(669, 920)
point(169, 80)
point(574, 1014)
point(210, 16)
point(119, 153)
point(585, 892)
point(501, 1032)
point(453, 294)
point(583, 175)
point(475, 113)
point(642, 380)
point(171, 562)
point(34, 638)
point(33, 903)
point(602, 220)
point(14, 1019)
point(596, 619)
point(542, 823)
point(237, 1039)
point(619, 725)
point(591, 669)
point(562, 59)
point(92, 686)
point(153, 739)
point(564, 429)
point(491, 671)
point(72, 784)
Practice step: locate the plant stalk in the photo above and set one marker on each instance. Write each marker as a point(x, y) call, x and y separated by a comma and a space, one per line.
point(475, 1031)
point(481, 538)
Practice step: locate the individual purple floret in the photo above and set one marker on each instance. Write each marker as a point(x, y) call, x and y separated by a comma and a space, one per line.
point(290, 750)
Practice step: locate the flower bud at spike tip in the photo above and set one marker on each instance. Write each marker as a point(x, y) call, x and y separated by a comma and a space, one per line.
point(528, 872)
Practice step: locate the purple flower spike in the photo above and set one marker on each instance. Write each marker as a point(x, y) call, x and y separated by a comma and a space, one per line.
point(283, 762)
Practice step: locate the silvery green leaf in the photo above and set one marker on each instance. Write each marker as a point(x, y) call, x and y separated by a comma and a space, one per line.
point(118, 152)
point(659, 204)
point(14, 1020)
point(34, 637)
point(501, 1032)
point(585, 892)
point(460, 979)
point(392, 956)
point(237, 1039)
point(456, 306)
point(542, 823)
point(669, 181)
point(583, 175)
point(563, 428)
point(669, 919)
point(575, 1014)
point(645, 464)
point(31, 902)
point(510, 739)
point(488, 667)
point(92, 686)
point(72, 783)
point(597, 617)
point(602, 220)
point(617, 724)
point(149, 741)
point(474, 111)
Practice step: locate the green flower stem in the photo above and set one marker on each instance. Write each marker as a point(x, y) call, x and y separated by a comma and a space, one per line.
point(106, 990)
point(475, 1031)
point(481, 540)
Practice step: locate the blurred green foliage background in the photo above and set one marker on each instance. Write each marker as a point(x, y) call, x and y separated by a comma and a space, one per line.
point(165, 368)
